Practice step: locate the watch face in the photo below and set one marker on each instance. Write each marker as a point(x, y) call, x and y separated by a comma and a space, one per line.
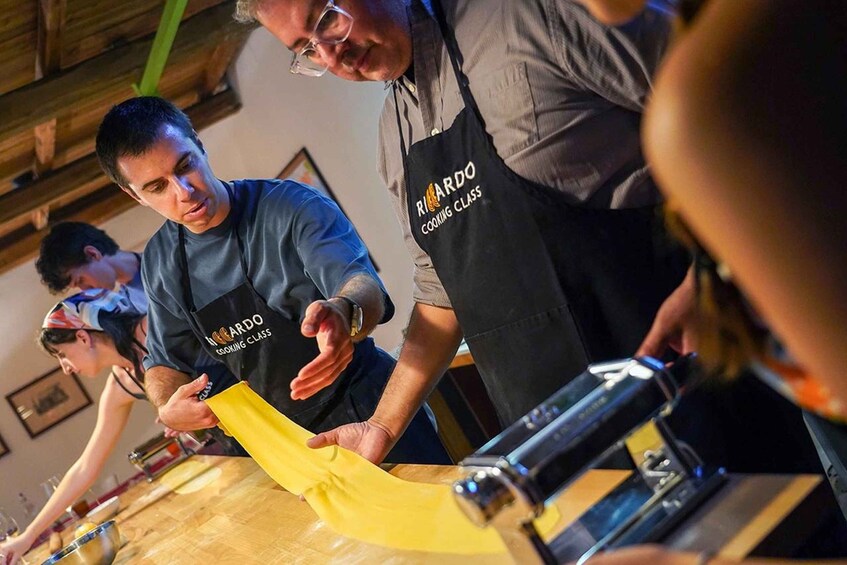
point(355, 319)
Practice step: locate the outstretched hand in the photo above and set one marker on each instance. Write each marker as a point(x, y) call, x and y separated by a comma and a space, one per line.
point(368, 439)
point(326, 321)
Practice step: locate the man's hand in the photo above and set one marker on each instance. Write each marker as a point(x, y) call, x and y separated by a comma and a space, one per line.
point(184, 411)
point(327, 321)
point(169, 432)
point(675, 325)
point(369, 439)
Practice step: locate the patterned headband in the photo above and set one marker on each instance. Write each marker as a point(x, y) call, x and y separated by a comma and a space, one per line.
point(82, 310)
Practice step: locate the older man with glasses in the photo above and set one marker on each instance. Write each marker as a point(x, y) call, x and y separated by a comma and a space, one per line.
point(510, 142)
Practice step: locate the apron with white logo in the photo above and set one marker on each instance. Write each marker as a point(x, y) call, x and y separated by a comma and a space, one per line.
point(259, 344)
point(540, 287)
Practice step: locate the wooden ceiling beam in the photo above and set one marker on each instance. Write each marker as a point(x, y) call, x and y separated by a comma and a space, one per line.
point(23, 244)
point(50, 97)
point(51, 27)
point(84, 175)
point(48, 55)
point(45, 147)
point(223, 54)
point(98, 26)
point(107, 202)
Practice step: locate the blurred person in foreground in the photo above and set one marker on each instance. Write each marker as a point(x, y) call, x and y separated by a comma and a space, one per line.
point(746, 132)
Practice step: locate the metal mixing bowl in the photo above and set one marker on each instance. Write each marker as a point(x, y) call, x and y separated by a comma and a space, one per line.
point(97, 547)
point(107, 509)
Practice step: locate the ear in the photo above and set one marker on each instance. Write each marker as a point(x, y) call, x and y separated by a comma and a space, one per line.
point(198, 142)
point(92, 253)
point(133, 195)
point(83, 337)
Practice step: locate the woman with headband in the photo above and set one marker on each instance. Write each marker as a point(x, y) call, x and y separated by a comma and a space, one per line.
point(89, 332)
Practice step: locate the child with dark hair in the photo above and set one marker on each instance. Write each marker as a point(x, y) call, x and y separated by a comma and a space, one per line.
point(79, 255)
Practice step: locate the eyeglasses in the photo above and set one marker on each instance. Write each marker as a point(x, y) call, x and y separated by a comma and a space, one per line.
point(333, 27)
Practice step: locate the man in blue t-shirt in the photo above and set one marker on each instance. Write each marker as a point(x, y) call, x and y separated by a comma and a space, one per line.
point(267, 276)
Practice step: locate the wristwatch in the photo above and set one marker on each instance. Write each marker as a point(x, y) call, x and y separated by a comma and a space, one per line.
point(356, 316)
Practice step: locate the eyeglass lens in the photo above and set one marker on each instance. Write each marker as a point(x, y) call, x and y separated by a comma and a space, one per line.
point(332, 28)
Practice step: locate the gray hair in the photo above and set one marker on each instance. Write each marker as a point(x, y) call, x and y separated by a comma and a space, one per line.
point(246, 11)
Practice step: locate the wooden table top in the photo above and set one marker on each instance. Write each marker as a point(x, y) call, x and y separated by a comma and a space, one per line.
point(242, 516)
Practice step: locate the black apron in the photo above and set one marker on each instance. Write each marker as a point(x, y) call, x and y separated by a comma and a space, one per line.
point(259, 344)
point(540, 287)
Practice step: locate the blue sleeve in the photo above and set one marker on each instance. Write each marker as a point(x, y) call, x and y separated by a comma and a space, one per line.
point(330, 248)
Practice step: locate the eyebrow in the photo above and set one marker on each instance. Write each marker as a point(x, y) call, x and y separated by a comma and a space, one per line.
point(179, 163)
point(310, 24)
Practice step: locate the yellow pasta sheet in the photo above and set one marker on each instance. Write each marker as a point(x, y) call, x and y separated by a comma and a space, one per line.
point(353, 496)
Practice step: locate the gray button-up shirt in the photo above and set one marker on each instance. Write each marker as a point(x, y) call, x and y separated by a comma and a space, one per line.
point(560, 93)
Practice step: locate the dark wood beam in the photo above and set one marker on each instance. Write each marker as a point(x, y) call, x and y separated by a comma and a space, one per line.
point(48, 53)
point(23, 244)
point(84, 175)
point(49, 98)
point(40, 218)
point(222, 56)
point(103, 203)
point(99, 25)
point(45, 147)
point(51, 25)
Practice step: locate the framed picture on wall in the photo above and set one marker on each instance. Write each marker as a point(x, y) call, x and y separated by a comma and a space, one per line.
point(3, 448)
point(302, 168)
point(48, 400)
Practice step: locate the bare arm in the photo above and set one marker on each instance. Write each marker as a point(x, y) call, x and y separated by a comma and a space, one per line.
point(431, 342)
point(742, 132)
point(430, 346)
point(329, 321)
point(175, 395)
point(112, 413)
point(614, 12)
point(161, 382)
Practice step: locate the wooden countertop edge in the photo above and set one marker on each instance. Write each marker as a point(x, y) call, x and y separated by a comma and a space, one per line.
point(462, 360)
point(751, 535)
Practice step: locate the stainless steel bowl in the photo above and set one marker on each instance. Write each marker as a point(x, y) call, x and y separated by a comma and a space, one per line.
point(97, 547)
point(106, 510)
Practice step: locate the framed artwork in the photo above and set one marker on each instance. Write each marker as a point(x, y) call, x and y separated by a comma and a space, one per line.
point(302, 168)
point(3, 448)
point(48, 400)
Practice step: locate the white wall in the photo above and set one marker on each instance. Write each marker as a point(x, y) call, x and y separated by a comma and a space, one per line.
point(335, 120)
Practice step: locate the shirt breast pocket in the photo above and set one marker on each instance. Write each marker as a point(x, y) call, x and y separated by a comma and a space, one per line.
point(506, 104)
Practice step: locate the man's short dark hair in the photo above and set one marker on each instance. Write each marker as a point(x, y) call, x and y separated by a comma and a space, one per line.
point(132, 127)
point(63, 249)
